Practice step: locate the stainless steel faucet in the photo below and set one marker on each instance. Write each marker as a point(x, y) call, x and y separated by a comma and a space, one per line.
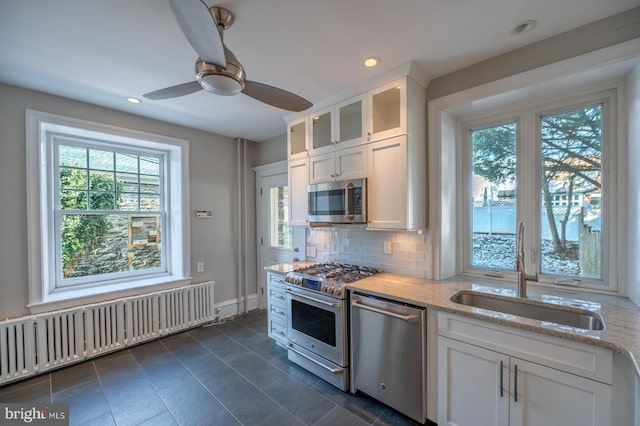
point(519, 267)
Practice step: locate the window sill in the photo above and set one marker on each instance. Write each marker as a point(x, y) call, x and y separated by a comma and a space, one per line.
point(79, 297)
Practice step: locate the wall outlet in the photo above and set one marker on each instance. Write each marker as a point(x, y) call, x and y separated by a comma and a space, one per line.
point(387, 247)
point(200, 266)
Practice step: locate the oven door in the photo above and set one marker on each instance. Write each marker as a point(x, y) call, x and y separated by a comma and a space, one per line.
point(317, 324)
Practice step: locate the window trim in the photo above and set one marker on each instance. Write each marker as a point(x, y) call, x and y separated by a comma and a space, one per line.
point(527, 115)
point(41, 189)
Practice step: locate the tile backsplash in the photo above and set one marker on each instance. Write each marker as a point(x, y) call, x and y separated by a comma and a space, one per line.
point(410, 251)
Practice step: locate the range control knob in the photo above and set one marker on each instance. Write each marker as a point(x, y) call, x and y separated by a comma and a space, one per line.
point(324, 288)
point(338, 291)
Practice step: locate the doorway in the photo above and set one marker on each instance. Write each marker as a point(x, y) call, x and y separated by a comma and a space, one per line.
point(278, 242)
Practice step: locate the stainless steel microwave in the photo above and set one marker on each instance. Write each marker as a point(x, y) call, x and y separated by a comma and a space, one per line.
point(338, 202)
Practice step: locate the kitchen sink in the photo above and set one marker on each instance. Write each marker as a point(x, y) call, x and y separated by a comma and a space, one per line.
point(557, 314)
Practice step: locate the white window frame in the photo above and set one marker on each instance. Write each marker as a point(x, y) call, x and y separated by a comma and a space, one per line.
point(527, 115)
point(41, 190)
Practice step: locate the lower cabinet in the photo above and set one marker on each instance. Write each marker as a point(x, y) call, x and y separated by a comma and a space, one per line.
point(276, 308)
point(482, 386)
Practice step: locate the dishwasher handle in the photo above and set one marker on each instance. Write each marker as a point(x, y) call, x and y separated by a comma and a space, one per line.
point(408, 318)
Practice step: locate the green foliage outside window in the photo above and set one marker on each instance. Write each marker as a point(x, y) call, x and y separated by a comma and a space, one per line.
point(81, 234)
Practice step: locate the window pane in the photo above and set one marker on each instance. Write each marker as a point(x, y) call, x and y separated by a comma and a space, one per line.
point(571, 144)
point(73, 200)
point(127, 182)
point(150, 184)
point(281, 232)
point(100, 244)
point(149, 166)
point(128, 202)
point(494, 196)
point(101, 200)
point(149, 202)
point(102, 181)
point(73, 178)
point(126, 163)
point(72, 156)
point(102, 160)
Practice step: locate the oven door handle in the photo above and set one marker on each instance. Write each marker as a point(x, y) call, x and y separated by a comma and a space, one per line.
point(313, 299)
point(407, 318)
point(326, 367)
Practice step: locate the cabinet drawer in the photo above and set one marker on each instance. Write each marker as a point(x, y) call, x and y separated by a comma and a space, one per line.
point(278, 311)
point(278, 331)
point(276, 295)
point(584, 360)
point(276, 280)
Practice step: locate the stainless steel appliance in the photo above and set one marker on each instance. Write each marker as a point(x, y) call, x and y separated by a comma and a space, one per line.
point(388, 353)
point(318, 325)
point(338, 202)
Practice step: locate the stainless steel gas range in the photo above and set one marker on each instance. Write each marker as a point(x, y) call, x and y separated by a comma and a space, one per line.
point(318, 327)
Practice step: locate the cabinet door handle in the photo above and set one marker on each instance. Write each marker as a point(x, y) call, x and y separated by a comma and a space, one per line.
point(515, 384)
point(501, 379)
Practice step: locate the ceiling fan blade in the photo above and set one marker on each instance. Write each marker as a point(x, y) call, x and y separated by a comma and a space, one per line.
point(198, 26)
point(276, 97)
point(174, 91)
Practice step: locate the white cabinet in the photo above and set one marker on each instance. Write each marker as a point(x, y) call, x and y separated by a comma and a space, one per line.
point(276, 307)
point(298, 174)
point(340, 126)
point(518, 378)
point(344, 164)
point(397, 183)
point(469, 385)
point(298, 138)
point(396, 108)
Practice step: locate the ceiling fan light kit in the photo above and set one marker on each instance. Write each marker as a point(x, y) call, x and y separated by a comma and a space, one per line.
point(217, 69)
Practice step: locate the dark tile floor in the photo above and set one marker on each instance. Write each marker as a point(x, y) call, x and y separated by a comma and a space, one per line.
point(224, 374)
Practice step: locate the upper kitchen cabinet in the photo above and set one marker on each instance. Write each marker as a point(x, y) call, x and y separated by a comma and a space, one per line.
point(396, 108)
point(340, 126)
point(322, 136)
point(343, 164)
point(298, 174)
point(298, 138)
point(397, 186)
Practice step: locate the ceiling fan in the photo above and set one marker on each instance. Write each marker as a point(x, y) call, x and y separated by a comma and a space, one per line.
point(217, 69)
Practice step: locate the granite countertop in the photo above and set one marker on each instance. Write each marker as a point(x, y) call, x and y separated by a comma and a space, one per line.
point(283, 268)
point(621, 317)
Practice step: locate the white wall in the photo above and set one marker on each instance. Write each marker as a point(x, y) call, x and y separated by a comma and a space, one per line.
point(273, 150)
point(214, 187)
point(633, 196)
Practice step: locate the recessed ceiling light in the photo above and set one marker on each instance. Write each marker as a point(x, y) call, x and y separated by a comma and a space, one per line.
point(134, 100)
point(371, 61)
point(523, 27)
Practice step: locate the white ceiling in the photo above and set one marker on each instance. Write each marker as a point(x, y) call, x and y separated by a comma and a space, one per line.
point(102, 51)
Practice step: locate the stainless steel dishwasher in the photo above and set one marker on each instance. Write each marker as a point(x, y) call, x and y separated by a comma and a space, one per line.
point(388, 353)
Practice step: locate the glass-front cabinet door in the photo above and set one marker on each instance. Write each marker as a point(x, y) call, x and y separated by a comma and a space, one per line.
point(388, 110)
point(297, 138)
point(350, 122)
point(322, 132)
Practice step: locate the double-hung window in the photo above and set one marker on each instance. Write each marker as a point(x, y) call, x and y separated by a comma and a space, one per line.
point(107, 209)
point(551, 166)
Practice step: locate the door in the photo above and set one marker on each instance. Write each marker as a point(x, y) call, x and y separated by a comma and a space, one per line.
point(278, 242)
point(546, 396)
point(387, 193)
point(473, 385)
